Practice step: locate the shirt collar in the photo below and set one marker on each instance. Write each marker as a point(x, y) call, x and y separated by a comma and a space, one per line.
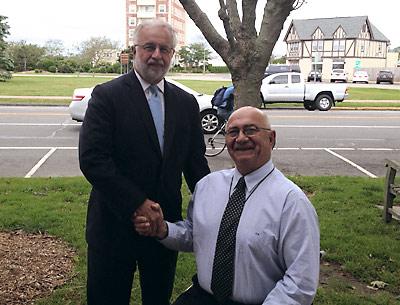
point(145, 85)
point(254, 177)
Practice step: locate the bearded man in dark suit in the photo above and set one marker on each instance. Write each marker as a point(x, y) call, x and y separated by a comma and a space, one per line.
point(134, 156)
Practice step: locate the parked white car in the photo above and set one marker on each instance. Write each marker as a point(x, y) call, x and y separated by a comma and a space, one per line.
point(338, 75)
point(360, 77)
point(291, 88)
point(208, 115)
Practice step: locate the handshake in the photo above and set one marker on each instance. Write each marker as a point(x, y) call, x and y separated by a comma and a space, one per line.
point(149, 220)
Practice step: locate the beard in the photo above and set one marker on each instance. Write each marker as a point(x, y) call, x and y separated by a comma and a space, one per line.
point(152, 71)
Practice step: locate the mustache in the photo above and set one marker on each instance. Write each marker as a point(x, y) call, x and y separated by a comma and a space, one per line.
point(246, 146)
point(153, 61)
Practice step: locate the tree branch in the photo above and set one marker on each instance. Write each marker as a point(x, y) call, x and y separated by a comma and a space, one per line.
point(234, 19)
point(223, 15)
point(275, 14)
point(201, 20)
point(249, 18)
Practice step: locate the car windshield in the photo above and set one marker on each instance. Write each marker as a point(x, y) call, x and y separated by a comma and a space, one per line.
point(337, 71)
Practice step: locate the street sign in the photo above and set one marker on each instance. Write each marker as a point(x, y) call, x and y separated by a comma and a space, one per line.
point(124, 57)
point(357, 64)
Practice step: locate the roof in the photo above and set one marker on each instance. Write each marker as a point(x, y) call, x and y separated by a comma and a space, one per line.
point(305, 28)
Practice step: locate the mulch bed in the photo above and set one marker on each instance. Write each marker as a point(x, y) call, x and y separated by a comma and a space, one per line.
point(32, 266)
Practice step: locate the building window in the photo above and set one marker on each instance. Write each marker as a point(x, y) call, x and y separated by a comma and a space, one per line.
point(294, 47)
point(338, 63)
point(162, 8)
point(339, 45)
point(146, 8)
point(317, 46)
point(132, 8)
point(130, 33)
point(132, 21)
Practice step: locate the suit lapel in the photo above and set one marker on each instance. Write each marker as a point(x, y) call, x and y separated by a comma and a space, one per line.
point(137, 96)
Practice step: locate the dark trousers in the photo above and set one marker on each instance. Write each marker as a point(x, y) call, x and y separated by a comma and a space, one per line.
point(110, 278)
point(196, 295)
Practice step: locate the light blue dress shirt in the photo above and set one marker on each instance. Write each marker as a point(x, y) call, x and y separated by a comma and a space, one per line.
point(277, 242)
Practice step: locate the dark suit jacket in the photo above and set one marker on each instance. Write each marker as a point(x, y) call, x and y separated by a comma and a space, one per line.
point(120, 156)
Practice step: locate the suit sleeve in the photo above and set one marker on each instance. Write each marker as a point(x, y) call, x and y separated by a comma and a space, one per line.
point(196, 166)
point(96, 157)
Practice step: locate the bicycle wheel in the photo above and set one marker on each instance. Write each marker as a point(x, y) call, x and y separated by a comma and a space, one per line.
point(215, 144)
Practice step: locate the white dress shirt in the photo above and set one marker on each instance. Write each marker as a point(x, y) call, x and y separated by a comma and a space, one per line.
point(145, 85)
point(277, 241)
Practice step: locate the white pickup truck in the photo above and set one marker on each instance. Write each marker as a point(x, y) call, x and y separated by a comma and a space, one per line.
point(290, 88)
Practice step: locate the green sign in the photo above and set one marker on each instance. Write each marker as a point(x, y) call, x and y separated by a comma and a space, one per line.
point(357, 64)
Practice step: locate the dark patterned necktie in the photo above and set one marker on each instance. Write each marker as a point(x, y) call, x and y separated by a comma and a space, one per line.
point(224, 258)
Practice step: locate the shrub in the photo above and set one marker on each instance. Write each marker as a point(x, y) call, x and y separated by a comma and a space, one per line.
point(52, 69)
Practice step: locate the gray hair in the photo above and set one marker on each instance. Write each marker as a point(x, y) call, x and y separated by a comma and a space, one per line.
point(155, 23)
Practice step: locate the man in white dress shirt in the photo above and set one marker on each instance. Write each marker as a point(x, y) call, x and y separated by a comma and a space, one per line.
point(276, 251)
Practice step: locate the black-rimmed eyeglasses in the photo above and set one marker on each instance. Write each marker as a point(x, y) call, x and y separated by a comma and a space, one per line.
point(248, 131)
point(151, 47)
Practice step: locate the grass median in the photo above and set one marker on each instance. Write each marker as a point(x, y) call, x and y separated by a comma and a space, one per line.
point(64, 86)
point(359, 247)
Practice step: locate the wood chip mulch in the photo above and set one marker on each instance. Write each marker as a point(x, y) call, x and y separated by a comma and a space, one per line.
point(32, 266)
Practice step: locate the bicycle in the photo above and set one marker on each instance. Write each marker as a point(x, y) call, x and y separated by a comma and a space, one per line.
point(216, 143)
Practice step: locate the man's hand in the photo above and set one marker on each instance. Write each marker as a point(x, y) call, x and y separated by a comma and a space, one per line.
point(149, 220)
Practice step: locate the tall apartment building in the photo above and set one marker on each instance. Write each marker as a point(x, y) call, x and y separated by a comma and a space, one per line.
point(171, 11)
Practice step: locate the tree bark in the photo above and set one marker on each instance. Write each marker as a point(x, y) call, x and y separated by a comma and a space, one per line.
point(244, 51)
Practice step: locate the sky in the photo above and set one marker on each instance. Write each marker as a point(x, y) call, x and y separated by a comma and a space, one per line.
point(74, 21)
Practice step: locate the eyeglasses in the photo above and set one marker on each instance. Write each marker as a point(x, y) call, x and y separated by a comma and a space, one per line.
point(151, 47)
point(248, 131)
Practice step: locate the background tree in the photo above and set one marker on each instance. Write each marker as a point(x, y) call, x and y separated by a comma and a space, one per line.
point(25, 56)
point(278, 60)
point(185, 57)
point(245, 51)
point(194, 55)
point(6, 64)
point(201, 55)
point(54, 47)
point(93, 50)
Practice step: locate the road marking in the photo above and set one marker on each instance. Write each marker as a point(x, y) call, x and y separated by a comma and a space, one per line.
point(276, 148)
point(40, 124)
point(34, 113)
point(275, 126)
point(36, 147)
point(40, 163)
point(336, 126)
point(333, 117)
point(351, 163)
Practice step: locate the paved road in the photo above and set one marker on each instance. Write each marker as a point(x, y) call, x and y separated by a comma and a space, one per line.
point(42, 141)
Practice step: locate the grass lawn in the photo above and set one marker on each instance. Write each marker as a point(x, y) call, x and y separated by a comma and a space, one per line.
point(357, 93)
point(356, 240)
point(48, 85)
point(64, 86)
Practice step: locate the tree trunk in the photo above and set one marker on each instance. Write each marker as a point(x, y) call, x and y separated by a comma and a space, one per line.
point(245, 52)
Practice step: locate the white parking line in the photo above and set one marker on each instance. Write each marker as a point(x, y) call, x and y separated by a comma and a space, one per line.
point(40, 124)
point(330, 150)
point(338, 126)
point(40, 163)
point(351, 163)
point(34, 147)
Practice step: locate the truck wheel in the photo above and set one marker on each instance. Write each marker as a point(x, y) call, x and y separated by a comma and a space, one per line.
point(310, 106)
point(209, 121)
point(323, 102)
